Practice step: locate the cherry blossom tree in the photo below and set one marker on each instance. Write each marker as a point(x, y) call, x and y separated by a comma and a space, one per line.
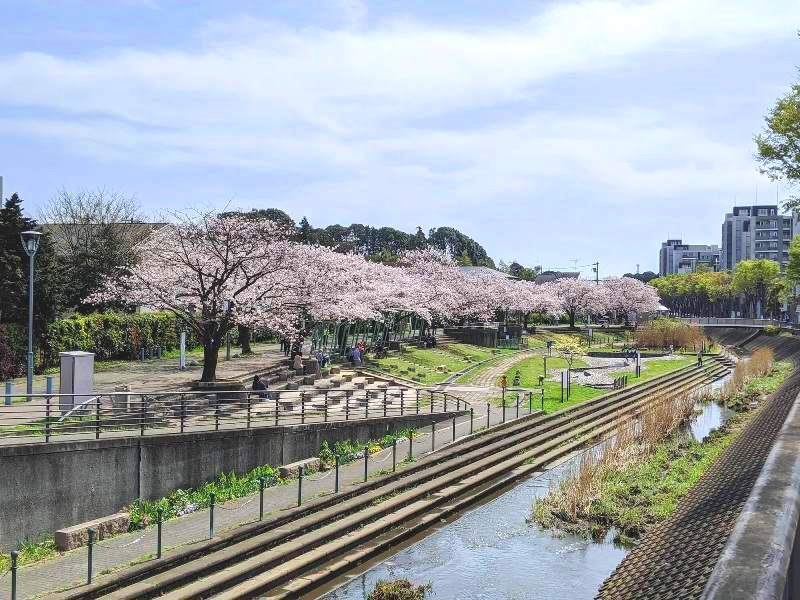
point(576, 296)
point(214, 273)
point(631, 297)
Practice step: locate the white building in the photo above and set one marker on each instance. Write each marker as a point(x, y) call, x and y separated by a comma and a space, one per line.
point(677, 257)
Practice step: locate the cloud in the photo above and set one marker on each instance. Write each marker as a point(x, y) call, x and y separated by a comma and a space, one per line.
point(419, 114)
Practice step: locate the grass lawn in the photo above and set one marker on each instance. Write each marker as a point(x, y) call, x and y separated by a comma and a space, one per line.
point(531, 368)
point(658, 366)
point(421, 363)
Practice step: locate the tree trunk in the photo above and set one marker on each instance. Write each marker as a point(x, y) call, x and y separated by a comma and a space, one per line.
point(210, 359)
point(572, 319)
point(244, 339)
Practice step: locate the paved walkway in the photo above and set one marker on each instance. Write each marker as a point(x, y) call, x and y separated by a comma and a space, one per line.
point(69, 569)
point(488, 377)
point(161, 374)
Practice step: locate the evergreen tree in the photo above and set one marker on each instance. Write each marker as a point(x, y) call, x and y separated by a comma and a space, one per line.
point(14, 270)
point(306, 231)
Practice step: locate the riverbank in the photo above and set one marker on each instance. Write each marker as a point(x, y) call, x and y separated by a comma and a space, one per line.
point(641, 484)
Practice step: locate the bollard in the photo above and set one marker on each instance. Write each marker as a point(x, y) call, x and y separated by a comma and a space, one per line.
point(488, 411)
point(9, 389)
point(433, 436)
point(47, 408)
point(518, 405)
point(471, 420)
point(212, 497)
point(302, 407)
point(530, 402)
point(336, 485)
point(14, 555)
point(394, 455)
point(89, 552)
point(410, 445)
point(261, 484)
point(300, 486)
point(504, 409)
point(366, 463)
point(159, 523)
point(542, 399)
point(454, 429)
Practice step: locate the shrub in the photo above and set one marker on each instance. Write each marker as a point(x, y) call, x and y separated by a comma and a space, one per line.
point(663, 332)
point(399, 589)
point(13, 347)
point(772, 330)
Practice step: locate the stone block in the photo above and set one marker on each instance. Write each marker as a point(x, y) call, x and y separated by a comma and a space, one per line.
point(293, 469)
point(78, 535)
point(348, 377)
point(335, 370)
point(370, 380)
point(309, 379)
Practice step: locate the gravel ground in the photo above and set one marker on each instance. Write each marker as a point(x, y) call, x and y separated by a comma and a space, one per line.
point(603, 370)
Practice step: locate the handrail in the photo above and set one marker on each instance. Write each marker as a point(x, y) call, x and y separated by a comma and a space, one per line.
point(124, 413)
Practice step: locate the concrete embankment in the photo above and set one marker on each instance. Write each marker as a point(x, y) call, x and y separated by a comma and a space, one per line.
point(291, 554)
point(50, 486)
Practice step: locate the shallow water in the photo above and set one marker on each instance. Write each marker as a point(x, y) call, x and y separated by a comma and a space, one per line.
point(491, 552)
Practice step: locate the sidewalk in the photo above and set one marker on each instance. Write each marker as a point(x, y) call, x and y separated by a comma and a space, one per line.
point(69, 569)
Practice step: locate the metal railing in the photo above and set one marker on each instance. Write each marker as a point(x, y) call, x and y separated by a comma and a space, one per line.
point(726, 321)
point(50, 417)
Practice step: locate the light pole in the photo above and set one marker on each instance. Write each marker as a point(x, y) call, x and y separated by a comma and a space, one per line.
point(30, 243)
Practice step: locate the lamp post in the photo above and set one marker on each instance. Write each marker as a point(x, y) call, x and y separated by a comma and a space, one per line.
point(30, 243)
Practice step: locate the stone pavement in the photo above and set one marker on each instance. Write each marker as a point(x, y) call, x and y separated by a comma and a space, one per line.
point(69, 569)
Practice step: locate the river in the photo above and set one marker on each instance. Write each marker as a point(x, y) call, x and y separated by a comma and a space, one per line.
point(491, 552)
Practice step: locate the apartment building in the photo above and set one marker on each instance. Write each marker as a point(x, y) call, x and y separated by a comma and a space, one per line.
point(677, 257)
point(753, 232)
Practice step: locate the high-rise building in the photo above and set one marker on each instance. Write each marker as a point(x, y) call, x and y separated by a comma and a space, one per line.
point(753, 232)
point(677, 257)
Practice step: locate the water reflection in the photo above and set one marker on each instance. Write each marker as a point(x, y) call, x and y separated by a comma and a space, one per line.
point(491, 552)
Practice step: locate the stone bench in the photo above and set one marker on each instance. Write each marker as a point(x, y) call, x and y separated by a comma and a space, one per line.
point(370, 380)
point(348, 377)
point(309, 379)
point(335, 370)
point(293, 469)
point(78, 535)
point(292, 385)
point(323, 385)
point(337, 381)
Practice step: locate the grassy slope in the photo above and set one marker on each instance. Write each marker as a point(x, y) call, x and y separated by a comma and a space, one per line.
point(425, 360)
point(635, 497)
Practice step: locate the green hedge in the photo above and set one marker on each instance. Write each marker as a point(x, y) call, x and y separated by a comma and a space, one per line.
point(112, 335)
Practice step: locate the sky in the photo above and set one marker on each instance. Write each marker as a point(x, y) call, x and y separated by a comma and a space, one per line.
point(553, 133)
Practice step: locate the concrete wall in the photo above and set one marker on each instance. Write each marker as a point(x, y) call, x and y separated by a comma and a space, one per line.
point(44, 487)
point(477, 336)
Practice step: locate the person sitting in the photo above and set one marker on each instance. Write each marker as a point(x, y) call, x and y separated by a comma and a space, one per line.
point(260, 386)
point(356, 357)
point(297, 362)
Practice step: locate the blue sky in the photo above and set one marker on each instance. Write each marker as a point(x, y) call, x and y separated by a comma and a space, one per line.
point(587, 130)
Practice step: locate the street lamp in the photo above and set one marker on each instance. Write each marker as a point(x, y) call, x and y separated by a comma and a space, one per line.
point(30, 243)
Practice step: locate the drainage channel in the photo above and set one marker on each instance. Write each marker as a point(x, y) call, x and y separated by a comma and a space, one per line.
point(491, 551)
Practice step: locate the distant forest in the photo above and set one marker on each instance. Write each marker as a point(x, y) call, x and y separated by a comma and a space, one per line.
point(381, 244)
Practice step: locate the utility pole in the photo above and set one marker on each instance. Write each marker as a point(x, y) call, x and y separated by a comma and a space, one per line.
point(596, 269)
